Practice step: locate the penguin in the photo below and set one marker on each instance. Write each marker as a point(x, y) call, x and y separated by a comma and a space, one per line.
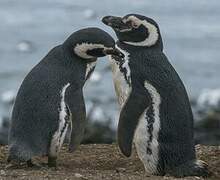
point(155, 110)
point(50, 99)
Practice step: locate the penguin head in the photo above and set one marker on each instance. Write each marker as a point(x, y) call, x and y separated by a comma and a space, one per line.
point(136, 30)
point(91, 43)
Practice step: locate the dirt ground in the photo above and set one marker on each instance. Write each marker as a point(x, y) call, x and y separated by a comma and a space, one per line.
point(100, 162)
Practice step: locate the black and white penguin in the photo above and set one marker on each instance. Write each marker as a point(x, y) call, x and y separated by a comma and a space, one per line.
point(50, 98)
point(155, 108)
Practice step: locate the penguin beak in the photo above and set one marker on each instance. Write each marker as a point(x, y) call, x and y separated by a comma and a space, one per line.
point(116, 23)
point(113, 51)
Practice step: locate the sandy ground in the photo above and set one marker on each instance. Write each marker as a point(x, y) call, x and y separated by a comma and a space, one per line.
point(100, 162)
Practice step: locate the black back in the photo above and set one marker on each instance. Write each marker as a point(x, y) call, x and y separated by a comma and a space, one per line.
point(176, 119)
point(36, 111)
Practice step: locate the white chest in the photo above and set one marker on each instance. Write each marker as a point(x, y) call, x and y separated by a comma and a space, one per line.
point(122, 78)
point(89, 68)
point(64, 123)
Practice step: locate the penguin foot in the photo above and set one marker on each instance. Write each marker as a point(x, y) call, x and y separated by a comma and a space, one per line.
point(52, 161)
point(15, 163)
point(31, 165)
point(13, 166)
point(73, 148)
point(195, 168)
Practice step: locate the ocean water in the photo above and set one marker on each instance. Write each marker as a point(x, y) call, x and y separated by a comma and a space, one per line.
point(190, 31)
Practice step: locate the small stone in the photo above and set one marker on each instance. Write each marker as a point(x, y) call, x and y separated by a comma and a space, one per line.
point(77, 175)
point(120, 170)
point(8, 96)
point(2, 172)
point(98, 114)
point(95, 77)
point(24, 46)
point(89, 14)
point(209, 99)
point(165, 177)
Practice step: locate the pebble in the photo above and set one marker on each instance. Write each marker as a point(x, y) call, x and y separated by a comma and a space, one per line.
point(25, 46)
point(165, 177)
point(95, 77)
point(98, 114)
point(2, 172)
point(197, 177)
point(77, 175)
point(89, 14)
point(1, 121)
point(209, 98)
point(120, 170)
point(8, 96)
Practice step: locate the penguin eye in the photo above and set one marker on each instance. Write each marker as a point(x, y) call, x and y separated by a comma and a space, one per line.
point(134, 25)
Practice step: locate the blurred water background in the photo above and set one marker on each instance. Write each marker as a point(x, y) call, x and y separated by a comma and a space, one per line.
point(190, 31)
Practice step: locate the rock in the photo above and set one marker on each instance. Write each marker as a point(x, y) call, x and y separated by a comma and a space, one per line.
point(4, 127)
point(2, 172)
point(95, 77)
point(95, 112)
point(25, 46)
point(207, 129)
point(99, 161)
point(89, 14)
point(209, 99)
point(8, 97)
point(98, 114)
point(118, 170)
point(1, 121)
point(97, 132)
point(207, 117)
point(77, 175)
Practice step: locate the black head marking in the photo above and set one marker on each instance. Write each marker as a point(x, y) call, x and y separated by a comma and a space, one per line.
point(136, 30)
point(90, 36)
point(99, 52)
point(96, 52)
point(91, 43)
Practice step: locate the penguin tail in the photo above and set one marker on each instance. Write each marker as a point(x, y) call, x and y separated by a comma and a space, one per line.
point(191, 168)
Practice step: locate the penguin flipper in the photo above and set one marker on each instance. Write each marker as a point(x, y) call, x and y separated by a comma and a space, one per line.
point(129, 118)
point(75, 102)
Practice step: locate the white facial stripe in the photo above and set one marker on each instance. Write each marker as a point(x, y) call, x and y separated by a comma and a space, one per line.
point(81, 49)
point(152, 30)
point(59, 135)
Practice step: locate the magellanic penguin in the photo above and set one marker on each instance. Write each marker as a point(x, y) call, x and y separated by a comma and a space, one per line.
point(50, 98)
point(155, 108)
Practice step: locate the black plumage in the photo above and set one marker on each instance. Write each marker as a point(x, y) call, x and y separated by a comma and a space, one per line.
point(156, 94)
point(38, 112)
